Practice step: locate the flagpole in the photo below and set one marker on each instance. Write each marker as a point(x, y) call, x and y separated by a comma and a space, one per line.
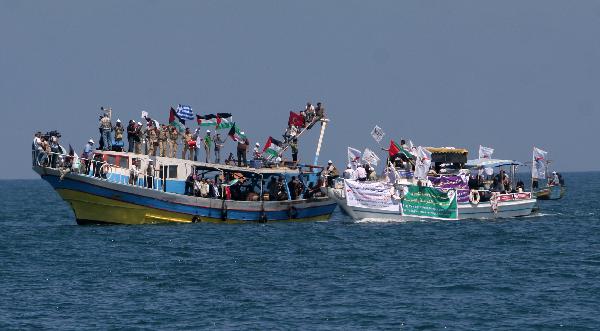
point(323, 126)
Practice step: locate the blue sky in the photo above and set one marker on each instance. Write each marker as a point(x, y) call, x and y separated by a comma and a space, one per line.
point(504, 74)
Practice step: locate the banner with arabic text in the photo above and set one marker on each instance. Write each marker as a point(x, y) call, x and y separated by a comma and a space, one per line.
point(429, 202)
point(372, 195)
point(457, 183)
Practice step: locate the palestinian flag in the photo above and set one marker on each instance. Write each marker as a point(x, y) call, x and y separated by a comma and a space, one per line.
point(176, 121)
point(206, 120)
point(224, 121)
point(395, 149)
point(236, 134)
point(272, 148)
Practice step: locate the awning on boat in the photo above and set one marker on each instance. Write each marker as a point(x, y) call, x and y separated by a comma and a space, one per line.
point(448, 155)
point(491, 163)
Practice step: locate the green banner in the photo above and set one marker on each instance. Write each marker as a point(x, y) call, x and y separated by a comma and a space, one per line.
point(422, 201)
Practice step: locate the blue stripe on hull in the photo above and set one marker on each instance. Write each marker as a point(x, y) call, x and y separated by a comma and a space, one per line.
point(232, 214)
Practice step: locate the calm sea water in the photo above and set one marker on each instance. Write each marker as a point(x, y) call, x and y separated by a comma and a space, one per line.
point(535, 273)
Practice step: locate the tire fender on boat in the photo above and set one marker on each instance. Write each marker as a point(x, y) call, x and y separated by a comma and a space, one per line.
point(474, 197)
point(196, 219)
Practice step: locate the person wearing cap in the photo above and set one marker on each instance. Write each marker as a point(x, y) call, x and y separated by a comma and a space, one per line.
point(105, 129)
point(86, 156)
point(207, 143)
point(331, 172)
point(256, 152)
point(151, 138)
point(150, 174)
point(555, 180)
point(134, 171)
point(242, 148)
point(219, 142)
point(137, 138)
point(163, 135)
point(118, 130)
point(36, 146)
point(172, 140)
point(188, 142)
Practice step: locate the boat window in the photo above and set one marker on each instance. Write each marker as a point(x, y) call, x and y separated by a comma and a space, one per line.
point(172, 171)
point(111, 159)
point(124, 162)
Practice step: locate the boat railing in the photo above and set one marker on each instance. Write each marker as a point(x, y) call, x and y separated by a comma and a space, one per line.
point(102, 170)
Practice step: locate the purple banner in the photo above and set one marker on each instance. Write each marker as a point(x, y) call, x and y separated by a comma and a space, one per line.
point(452, 182)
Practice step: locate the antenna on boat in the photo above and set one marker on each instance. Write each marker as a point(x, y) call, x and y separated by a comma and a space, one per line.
point(323, 126)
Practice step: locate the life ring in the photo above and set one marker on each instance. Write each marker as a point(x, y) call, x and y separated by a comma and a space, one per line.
point(474, 197)
point(105, 169)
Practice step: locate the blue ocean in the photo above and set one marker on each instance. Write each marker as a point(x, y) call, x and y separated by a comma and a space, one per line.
point(535, 273)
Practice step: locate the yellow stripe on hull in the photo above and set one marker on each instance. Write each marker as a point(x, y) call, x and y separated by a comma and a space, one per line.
point(92, 208)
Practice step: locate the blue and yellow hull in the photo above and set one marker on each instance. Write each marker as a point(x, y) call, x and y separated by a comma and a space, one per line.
point(96, 200)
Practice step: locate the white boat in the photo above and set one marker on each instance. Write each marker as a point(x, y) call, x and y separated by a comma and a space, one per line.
point(437, 197)
point(509, 205)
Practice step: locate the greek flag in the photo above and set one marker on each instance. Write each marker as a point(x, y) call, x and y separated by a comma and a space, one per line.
point(185, 112)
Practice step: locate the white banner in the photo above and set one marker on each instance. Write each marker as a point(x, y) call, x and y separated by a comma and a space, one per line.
point(372, 195)
point(377, 133)
point(354, 155)
point(423, 163)
point(538, 168)
point(485, 152)
point(370, 157)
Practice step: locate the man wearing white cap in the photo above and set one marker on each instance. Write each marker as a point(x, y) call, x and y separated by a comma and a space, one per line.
point(257, 154)
point(331, 172)
point(88, 153)
point(207, 142)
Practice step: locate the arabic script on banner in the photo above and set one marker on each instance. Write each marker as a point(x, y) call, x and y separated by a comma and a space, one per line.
point(372, 195)
point(422, 201)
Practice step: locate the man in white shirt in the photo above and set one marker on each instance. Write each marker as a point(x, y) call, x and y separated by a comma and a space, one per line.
point(348, 173)
point(361, 173)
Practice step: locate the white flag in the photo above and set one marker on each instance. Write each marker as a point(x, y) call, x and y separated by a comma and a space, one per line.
point(377, 133)
point(144, 114)
point(485, 152)
point(370, 157)
point(353, 155)
point(538, 168)
point(423, 163)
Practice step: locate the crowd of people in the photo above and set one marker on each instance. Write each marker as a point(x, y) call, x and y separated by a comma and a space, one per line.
point(155, 139)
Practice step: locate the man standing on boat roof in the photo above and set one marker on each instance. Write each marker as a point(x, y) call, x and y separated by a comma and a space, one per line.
point(242, 148)
point(207, 143)
point(173, 137)
point(137, 138)
point(152, 137)
point(162, 140)
point(106, 128)
point(131, 135)
point(219, 142)
point(118, 129)
point(186, 139)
